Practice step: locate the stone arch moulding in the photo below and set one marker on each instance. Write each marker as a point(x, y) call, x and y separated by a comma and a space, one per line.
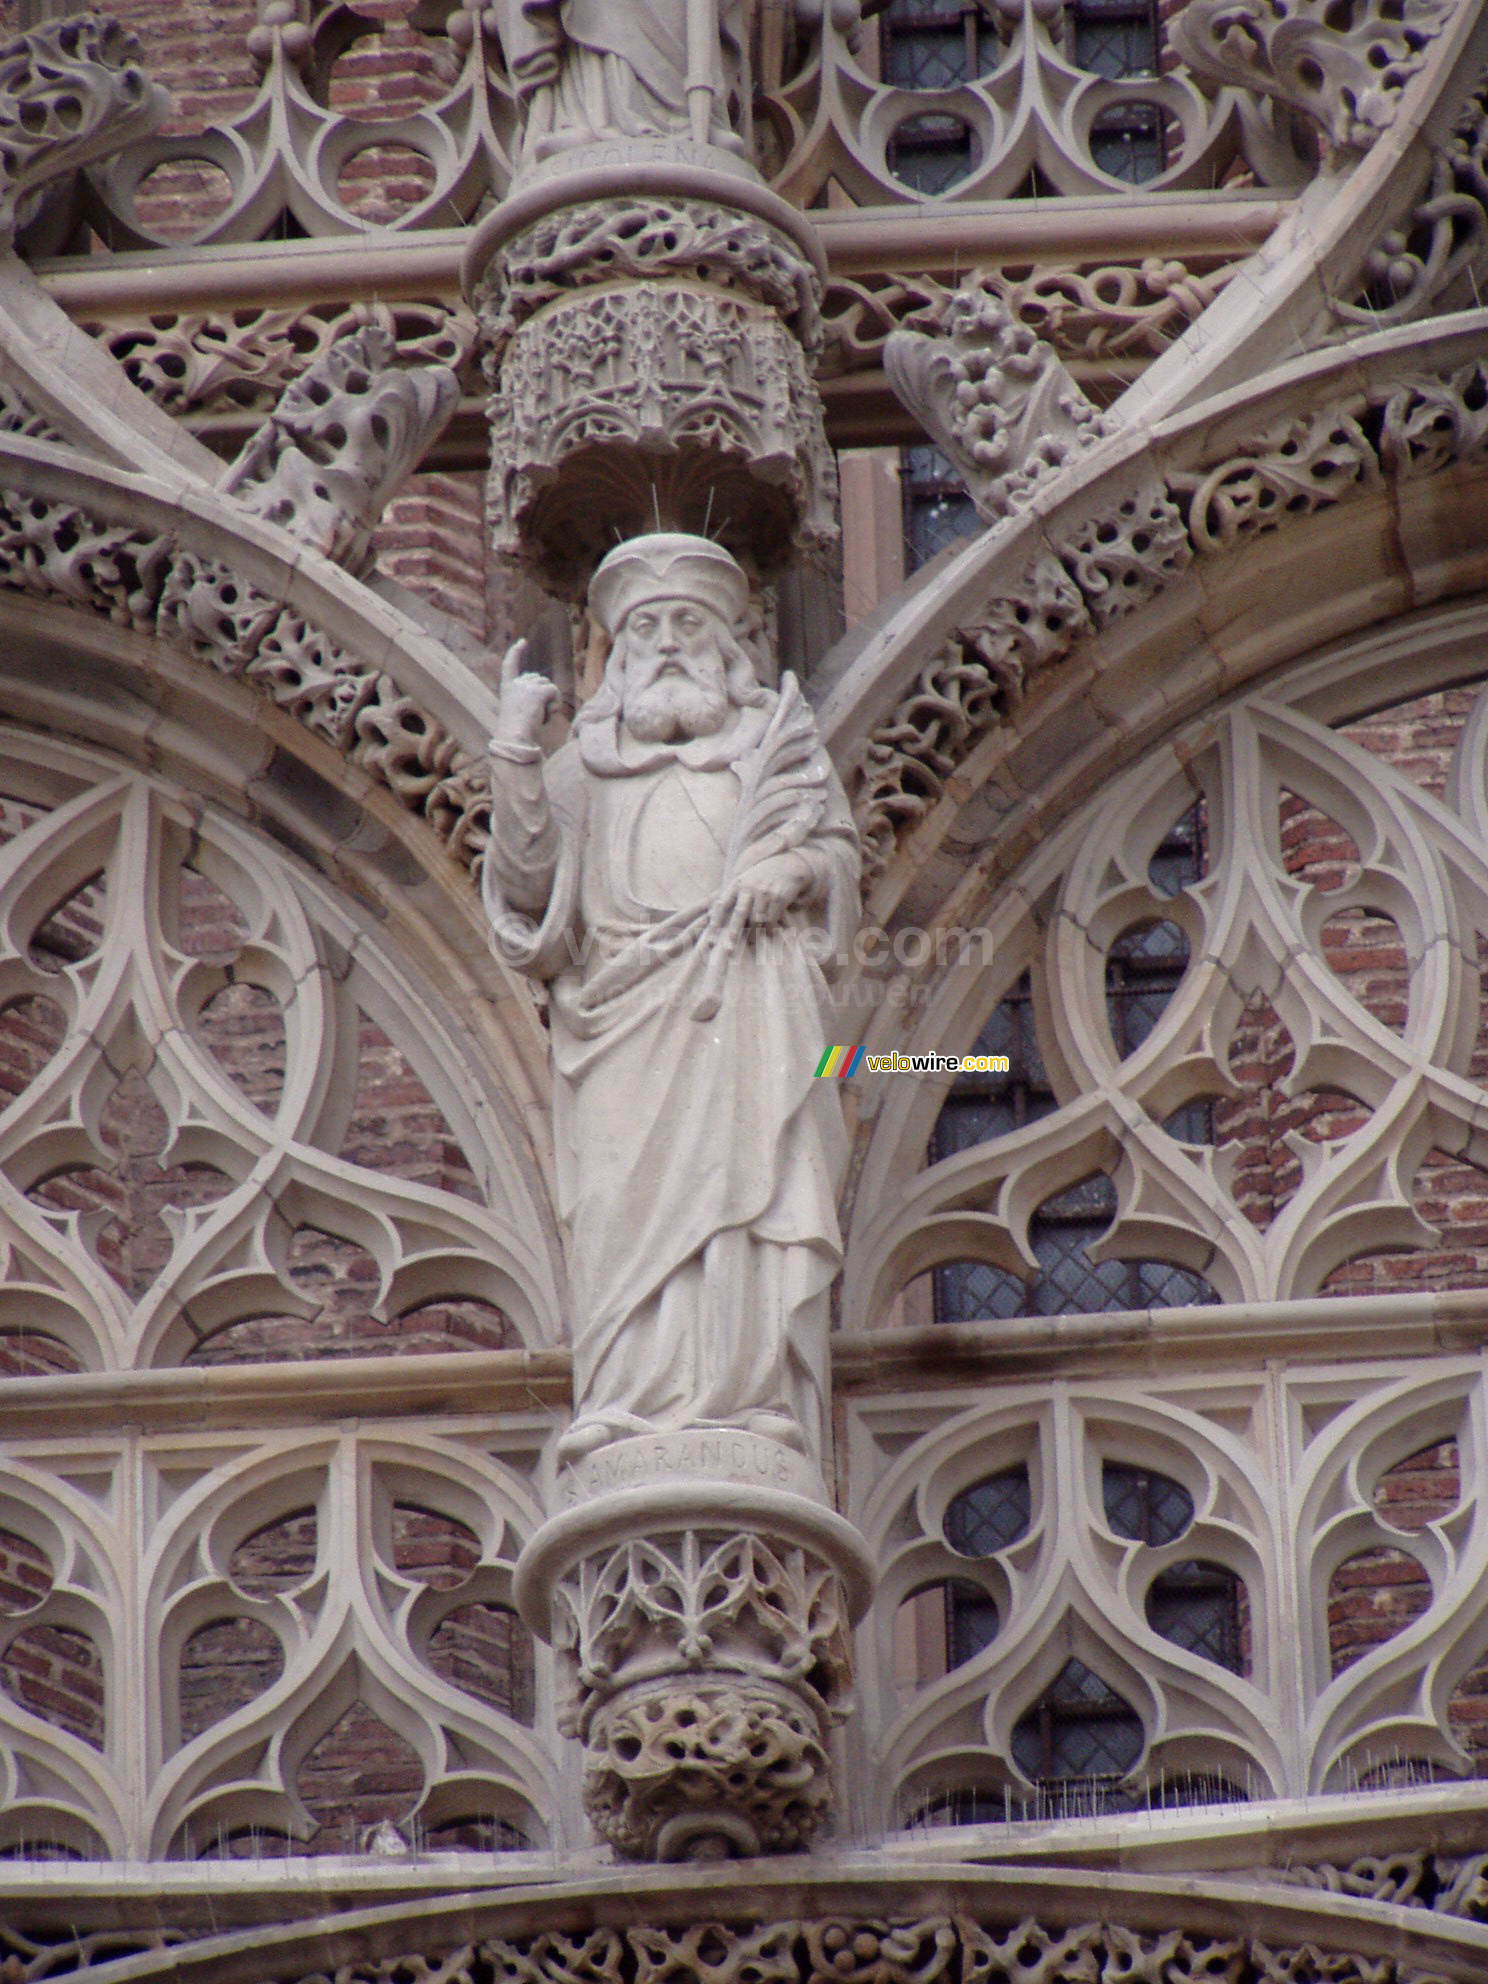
point(905, 1922)
point(1161, 568)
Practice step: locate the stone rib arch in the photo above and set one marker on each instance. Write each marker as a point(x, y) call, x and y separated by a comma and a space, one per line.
point(349, 1630)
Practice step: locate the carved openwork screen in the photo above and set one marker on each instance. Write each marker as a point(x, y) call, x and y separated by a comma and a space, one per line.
point(1242, 994)
point(235, 1132)
point(230, 1129)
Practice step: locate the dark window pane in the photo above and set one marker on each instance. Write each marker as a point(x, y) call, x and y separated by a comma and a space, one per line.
point(1147, 1507)
point(971, 1623)
point(991, 1514)
point(937, 509)
point(932, 153)
point(1193, 1605)
point(1116, 47)
point(1079, 1728)
point(1128, 144)
point(933, 58)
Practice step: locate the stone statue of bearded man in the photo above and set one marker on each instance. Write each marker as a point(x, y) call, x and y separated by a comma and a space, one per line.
point(678, 873)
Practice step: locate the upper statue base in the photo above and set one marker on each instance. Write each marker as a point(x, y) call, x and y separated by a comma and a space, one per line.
point(634, 169)
point(648, 326)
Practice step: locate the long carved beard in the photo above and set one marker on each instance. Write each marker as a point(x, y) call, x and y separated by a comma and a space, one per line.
point(674, 707)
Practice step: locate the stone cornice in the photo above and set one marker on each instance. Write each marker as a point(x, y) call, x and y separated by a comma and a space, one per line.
point(860, 245)
point(535, 1383)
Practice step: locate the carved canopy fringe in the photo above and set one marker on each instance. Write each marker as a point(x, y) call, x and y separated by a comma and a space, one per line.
point(1060, 1947)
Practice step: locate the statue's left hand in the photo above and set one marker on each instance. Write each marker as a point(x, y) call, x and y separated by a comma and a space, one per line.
point(761, 896)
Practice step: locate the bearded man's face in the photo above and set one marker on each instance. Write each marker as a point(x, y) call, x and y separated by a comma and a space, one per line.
point(676, 681)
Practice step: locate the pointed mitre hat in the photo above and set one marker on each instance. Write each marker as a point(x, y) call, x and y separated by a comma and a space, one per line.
point(667, 565)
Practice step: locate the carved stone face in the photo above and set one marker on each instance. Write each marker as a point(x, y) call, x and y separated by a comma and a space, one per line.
point(676, 682)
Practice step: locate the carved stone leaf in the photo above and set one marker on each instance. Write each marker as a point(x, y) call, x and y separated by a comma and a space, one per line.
point(70, 92)
point(880, 1952)
point(1305, 464)
point(1425, 423)
point(343, 439)
point(1346, 77)
point(995, 398)
point(709, 1953)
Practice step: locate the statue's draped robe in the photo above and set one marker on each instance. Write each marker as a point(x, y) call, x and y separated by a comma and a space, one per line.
point(595, 69)
point(697, 1162)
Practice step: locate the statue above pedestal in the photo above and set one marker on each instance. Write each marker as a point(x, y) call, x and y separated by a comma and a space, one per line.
point(679, 873)
point(589, 71)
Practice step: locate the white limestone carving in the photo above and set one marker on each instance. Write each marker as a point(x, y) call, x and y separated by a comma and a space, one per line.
point(1092, 312)
point(135, 1004)
point(145, 579)
point(633, 239)
point(1120, 555)
point(1308, 462)
point(1435, 259)
point(915, 1948)
point(733, 1727)
point(1096, 572)
point(354, 1625)
point(995, 397)
point(664, 398)
point(1345, 75)
point(1280, 1518)
point(283, 155)
point(1407, 1878)
point(70, 92)
point(975, 681)
point(1251, 930)
point(573, 77)
point(698, 1593)
point(586, 73)
point(343, 439)
point(677, 874)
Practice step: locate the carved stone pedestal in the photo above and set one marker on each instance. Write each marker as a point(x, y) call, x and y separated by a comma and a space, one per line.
point(699, 1593)
point(649, 352)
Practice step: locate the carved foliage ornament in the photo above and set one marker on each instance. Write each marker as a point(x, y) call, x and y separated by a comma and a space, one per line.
point(152, 582)
point(995, 397)
point(620, 406)
point(70, 92)
point(1408, 1880)
point(1343, 69)
point(1434, 261)
point(703, 1673)
point(817, 1950)
point(607, 241)
point(344, 437)
point(1101, 313)
point(924, 1950)
point(1405, 427)
point(207, 362)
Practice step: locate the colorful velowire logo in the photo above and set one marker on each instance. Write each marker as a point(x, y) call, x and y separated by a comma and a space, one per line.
point(837, 1062)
